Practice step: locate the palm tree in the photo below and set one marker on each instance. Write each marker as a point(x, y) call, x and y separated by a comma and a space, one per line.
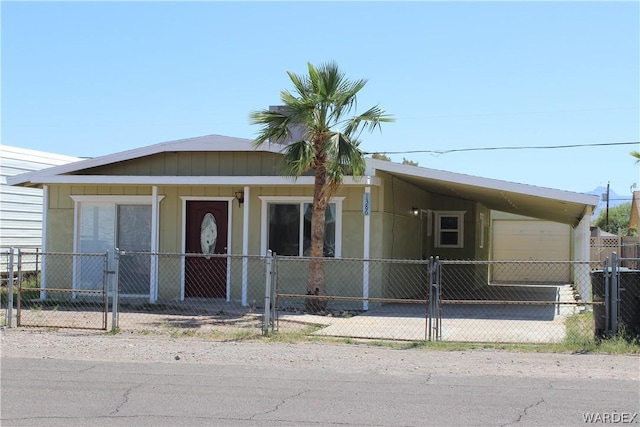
point(321, 103)
point(636, 154)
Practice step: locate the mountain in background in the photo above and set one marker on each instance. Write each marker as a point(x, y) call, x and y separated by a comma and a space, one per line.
point(614, 200)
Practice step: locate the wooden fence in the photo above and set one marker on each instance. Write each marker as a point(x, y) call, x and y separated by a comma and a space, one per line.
point(627, 247)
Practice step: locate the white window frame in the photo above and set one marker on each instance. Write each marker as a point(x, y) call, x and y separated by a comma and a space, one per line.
point(108, 200)
point(460, 230)
point(266, 200)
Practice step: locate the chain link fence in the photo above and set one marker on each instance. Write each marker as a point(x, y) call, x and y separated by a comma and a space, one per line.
point(447, 300)
point(210, 294)
point(239, 296)
point(361, 298)
point(618, 288)
point(534, 306)
point(56, 290)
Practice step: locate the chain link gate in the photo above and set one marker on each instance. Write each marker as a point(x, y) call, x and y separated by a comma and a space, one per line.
point(288, 298)
point(617, 290)
point(436, 300)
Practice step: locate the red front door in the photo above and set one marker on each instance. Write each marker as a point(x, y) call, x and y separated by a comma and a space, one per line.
point(207, 227)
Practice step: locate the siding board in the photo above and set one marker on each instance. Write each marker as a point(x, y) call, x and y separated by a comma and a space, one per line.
point(21, 207)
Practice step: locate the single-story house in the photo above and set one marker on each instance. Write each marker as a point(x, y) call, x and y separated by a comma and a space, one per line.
point(220, 195)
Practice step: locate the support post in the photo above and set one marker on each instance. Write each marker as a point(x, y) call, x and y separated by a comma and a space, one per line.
point(245, 247)
point(153, 277)
point(45, 245)
point(366, 249)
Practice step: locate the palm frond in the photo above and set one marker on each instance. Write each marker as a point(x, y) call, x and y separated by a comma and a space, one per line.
point(369, 120)
point(345, 158)
point(298, 158)
point(274, 126)
point(301, 83)
point(321, 101)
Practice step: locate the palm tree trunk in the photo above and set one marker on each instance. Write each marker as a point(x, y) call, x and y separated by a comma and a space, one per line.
point(316, 281)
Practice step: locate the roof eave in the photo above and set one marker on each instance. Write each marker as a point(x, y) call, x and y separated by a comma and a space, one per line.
point(475, 181)
point(200, 143)
point(260, 180)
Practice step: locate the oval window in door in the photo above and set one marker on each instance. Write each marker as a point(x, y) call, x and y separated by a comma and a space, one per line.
point(208, 234)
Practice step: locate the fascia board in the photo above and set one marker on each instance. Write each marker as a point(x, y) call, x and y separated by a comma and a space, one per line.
point(475, 181)
point(194, 180)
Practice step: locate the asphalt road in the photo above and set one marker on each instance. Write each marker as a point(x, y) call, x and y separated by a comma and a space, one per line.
point(309, 392)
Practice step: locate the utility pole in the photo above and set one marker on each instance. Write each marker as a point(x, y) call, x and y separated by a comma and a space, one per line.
point(606, 221)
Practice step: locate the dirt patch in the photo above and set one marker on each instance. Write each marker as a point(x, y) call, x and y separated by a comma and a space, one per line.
point(157, 320)
point(348, 358)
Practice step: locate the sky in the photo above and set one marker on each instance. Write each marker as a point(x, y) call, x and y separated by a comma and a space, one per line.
point(89, 79)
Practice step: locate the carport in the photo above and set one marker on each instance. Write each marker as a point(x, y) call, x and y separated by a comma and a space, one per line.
point(552, 205)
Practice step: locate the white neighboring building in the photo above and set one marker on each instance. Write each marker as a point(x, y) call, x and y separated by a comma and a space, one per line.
point(21, 207)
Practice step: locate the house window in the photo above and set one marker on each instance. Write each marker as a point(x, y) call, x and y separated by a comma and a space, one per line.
point(105, 223)
point(449, 229)
point(287, 226)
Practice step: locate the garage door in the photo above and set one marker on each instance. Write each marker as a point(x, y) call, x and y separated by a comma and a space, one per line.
point(531, 240)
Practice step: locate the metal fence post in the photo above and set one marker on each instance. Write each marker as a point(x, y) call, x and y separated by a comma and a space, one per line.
point(19, 263)
point(427, 314)
point(114, 288)
point(10, 290)
point(267, 294)
point(274, 291)
point(614, 295)
point(19, 293)
point(105, 290)
point(434, 299)
point(438, 287)
point(606, 273)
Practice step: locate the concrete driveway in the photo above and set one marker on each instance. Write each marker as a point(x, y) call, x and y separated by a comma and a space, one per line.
point(500, 323)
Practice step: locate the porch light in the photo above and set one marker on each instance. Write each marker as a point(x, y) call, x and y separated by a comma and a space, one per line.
point(415, 211)
point(240, 197)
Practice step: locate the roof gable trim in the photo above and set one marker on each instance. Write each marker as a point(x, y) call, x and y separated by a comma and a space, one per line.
point(200, 143)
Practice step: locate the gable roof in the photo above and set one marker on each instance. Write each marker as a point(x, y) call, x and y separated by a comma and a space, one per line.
point(199, 143)
point(538, 202)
